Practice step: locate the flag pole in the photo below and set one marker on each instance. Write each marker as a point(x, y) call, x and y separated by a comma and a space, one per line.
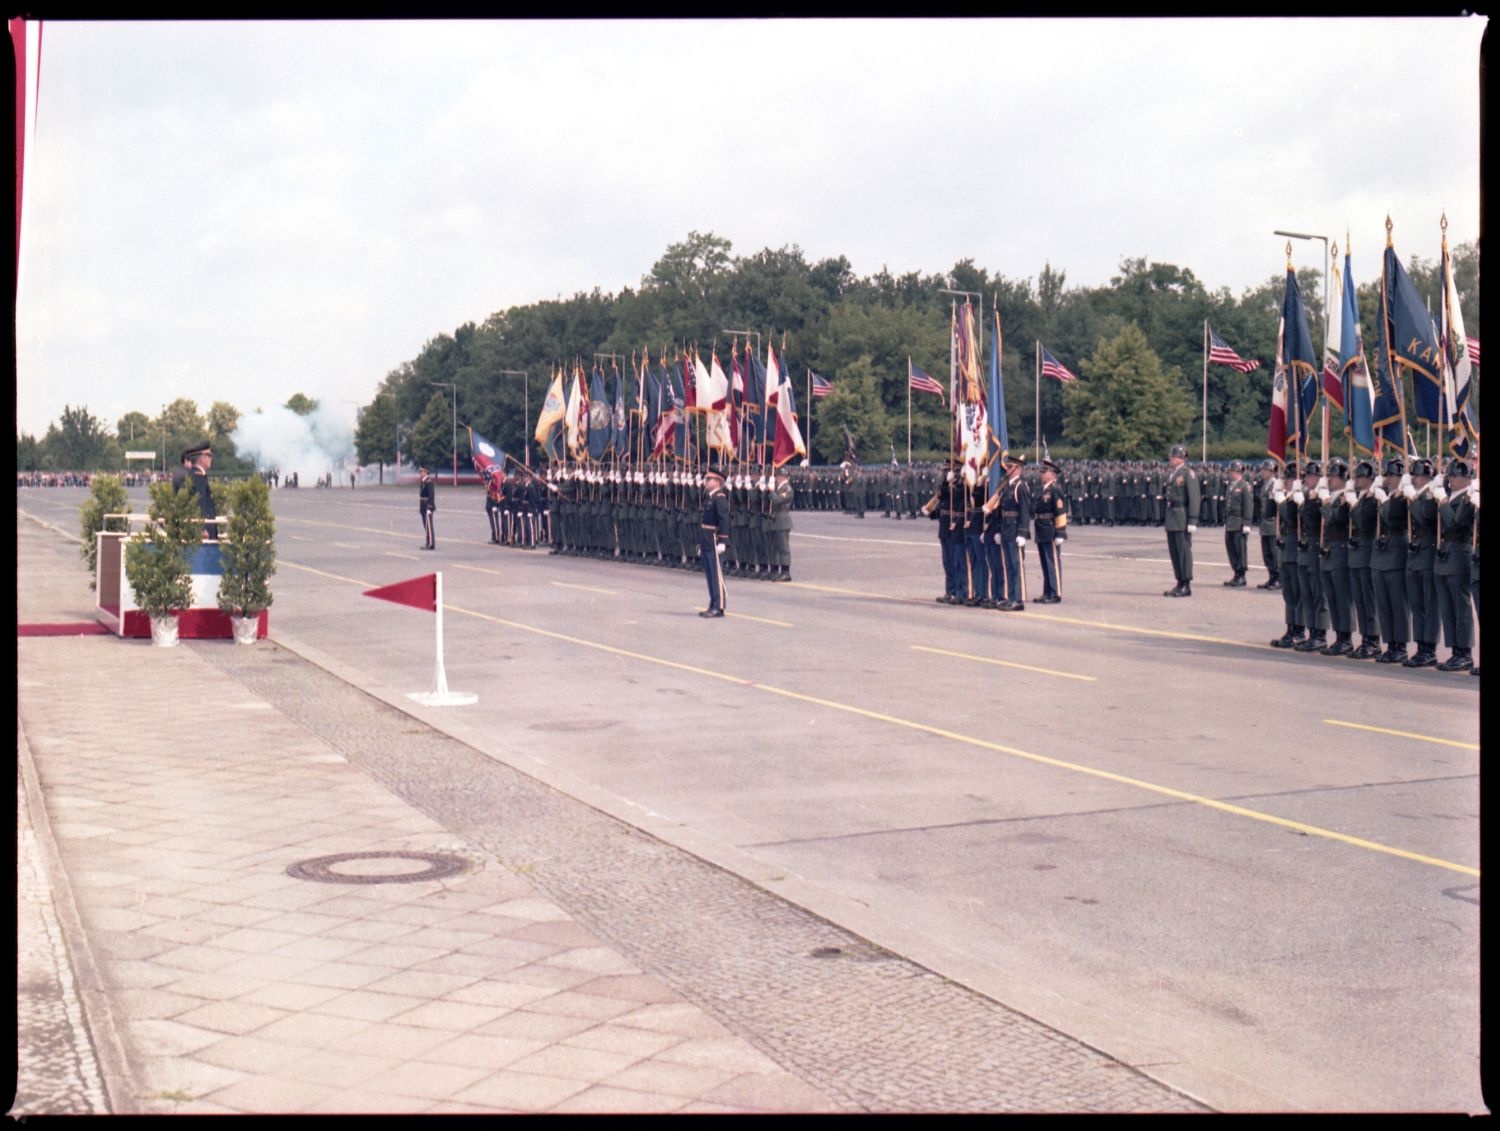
point(1205, 390)
point(908, 410)
point(440, 696)
point(1036, 423)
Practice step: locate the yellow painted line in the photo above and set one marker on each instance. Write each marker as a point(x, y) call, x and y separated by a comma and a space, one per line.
point(403, 557)
point(761, 620)
point(1404, 734)
point(1003, 663)
point(586, 588)
point(331, 576)
point(476, 569)
point(954, 736)
point(347, 545)
point(1052, 617)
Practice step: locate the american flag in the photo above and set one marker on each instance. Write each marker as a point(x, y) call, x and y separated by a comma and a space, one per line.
point(1473, 351)
point(1055, 369)
point(921, 380)
point(1220, 354)
point(821, 386)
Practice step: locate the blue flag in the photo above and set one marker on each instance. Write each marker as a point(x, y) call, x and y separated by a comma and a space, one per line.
point(999, 435)
point(601, 435)
point(1412, 339)
point(1354, 369)
point(1299, 358)
point(489, 459)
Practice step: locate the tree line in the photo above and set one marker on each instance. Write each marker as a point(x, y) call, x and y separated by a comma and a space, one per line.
point(1136, 344)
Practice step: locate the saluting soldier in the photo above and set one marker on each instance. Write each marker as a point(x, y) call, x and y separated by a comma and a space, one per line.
point(1051, 517)
point(1239, 509)
point(1456, 526)
point(1286, 498)
point(1417, 487)
point(947, 507)
point(713, 539)
point(1182, 498)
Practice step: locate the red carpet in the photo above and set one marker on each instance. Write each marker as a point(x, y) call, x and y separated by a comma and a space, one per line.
point(82, 628)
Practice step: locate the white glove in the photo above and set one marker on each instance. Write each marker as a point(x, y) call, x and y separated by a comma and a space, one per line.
point(1408, 490)
point(1323, 483)
point(1279, 495)
point(1406, 479)
point(1438, 492)
point(1020, 541)
point(719, 547)
point(1474, 495)
point(1322, 491)
point(1192, 530)
point(1379, 493)
point(1297, 495)
point(1349, 496)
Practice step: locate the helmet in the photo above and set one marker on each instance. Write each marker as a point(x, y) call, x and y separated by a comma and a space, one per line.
point(1337, 468)
point(1421, 466)
point(1312, 467)
point(1395, 466)
point(1178, 452)
point(1236, 465)
point(1458, 467)
point(1268, 465)
point(1364, 469)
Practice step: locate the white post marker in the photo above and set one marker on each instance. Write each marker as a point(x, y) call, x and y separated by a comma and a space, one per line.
point(440, 696)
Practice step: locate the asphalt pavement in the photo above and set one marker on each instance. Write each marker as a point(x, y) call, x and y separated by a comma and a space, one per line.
point(883, 856)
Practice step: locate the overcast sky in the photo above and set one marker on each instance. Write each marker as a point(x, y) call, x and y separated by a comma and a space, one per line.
point(242, 211)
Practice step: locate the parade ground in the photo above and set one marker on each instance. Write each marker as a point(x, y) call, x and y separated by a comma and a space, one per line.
point(845, 850)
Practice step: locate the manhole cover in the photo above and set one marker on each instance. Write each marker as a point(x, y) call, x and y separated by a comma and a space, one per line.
point(375, 868)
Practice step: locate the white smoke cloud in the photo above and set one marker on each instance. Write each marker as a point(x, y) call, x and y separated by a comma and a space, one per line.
point(310, 446)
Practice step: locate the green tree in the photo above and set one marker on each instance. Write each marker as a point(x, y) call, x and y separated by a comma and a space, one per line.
point(79, 441)
point(28, 453)
point(134, 429)
point(301, 404)
point(1128, 407)
point(157, 559)
point(249, 549)
point(106, 497)
point(375, 437)
point(855, 404)
point(431, 442)
point(223, 418)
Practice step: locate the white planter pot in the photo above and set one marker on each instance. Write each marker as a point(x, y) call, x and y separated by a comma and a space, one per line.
point(245, 629)
point(164, 631)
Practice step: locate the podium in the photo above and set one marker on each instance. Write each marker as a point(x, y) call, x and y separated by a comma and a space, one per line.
point(114, 600)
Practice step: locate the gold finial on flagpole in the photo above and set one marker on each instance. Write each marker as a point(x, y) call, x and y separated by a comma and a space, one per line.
point(1346, 242)
point(1388, 227)
point(1288, 255)
point(1443, 223)
point(1333, 254)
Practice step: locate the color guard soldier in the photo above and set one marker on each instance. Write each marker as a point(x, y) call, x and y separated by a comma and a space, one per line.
point(1388, 561)
point(1421, 583)
point(1182, 499)
point(975, 563)
point(427, 506)
point(713, 539)
point(1239, 510)
point(1310, 558)
point(1051, 517)
point(1287, 498)
point(1013, 501)
point(1456, 526)
point(492, 480)
point(779, 527)
point(947, 507)
point(1363, 517)
point(1334, 549)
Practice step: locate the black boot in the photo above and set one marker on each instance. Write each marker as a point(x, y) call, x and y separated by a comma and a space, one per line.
point(1340, 646)
point(1460, 661)
point(1369, 648)
point(1313, 643)
point(1424, 657)
point(1395, 653)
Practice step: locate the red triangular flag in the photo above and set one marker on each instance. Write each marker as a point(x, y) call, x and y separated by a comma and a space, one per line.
point(419, 592)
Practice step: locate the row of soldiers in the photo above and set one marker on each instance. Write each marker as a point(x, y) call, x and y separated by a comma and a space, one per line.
point(653, 517)
point(1097, 492)
point(1395, 557)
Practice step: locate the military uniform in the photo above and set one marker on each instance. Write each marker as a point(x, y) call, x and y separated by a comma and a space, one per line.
point(779, 528)
point(1421, 558)
point(1334, 550)
point(713, 537)
point(1388, 559)
point(1363, 516)
point(1013, 501)
point(1266, 503)
point(426, 507)
point(1050, 515)
point(1239, 508)
point(1181, 498)
point(1310, 560)
point(1286, 499)
point(1456, 541)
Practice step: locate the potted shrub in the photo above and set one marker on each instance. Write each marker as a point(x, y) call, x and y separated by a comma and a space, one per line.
point(248, 555)
point(106, 496)
point(157, 560)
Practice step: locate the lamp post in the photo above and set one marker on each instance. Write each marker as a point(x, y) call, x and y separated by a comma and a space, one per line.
point(451, 385)
point(1327, 317)
point(525, 406)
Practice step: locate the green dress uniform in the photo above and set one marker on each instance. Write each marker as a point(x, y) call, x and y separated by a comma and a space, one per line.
point(1182, 498)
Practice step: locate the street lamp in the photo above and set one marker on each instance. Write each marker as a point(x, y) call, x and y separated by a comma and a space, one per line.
point(451, 385)
point(525, 405)
point(1327, 316)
